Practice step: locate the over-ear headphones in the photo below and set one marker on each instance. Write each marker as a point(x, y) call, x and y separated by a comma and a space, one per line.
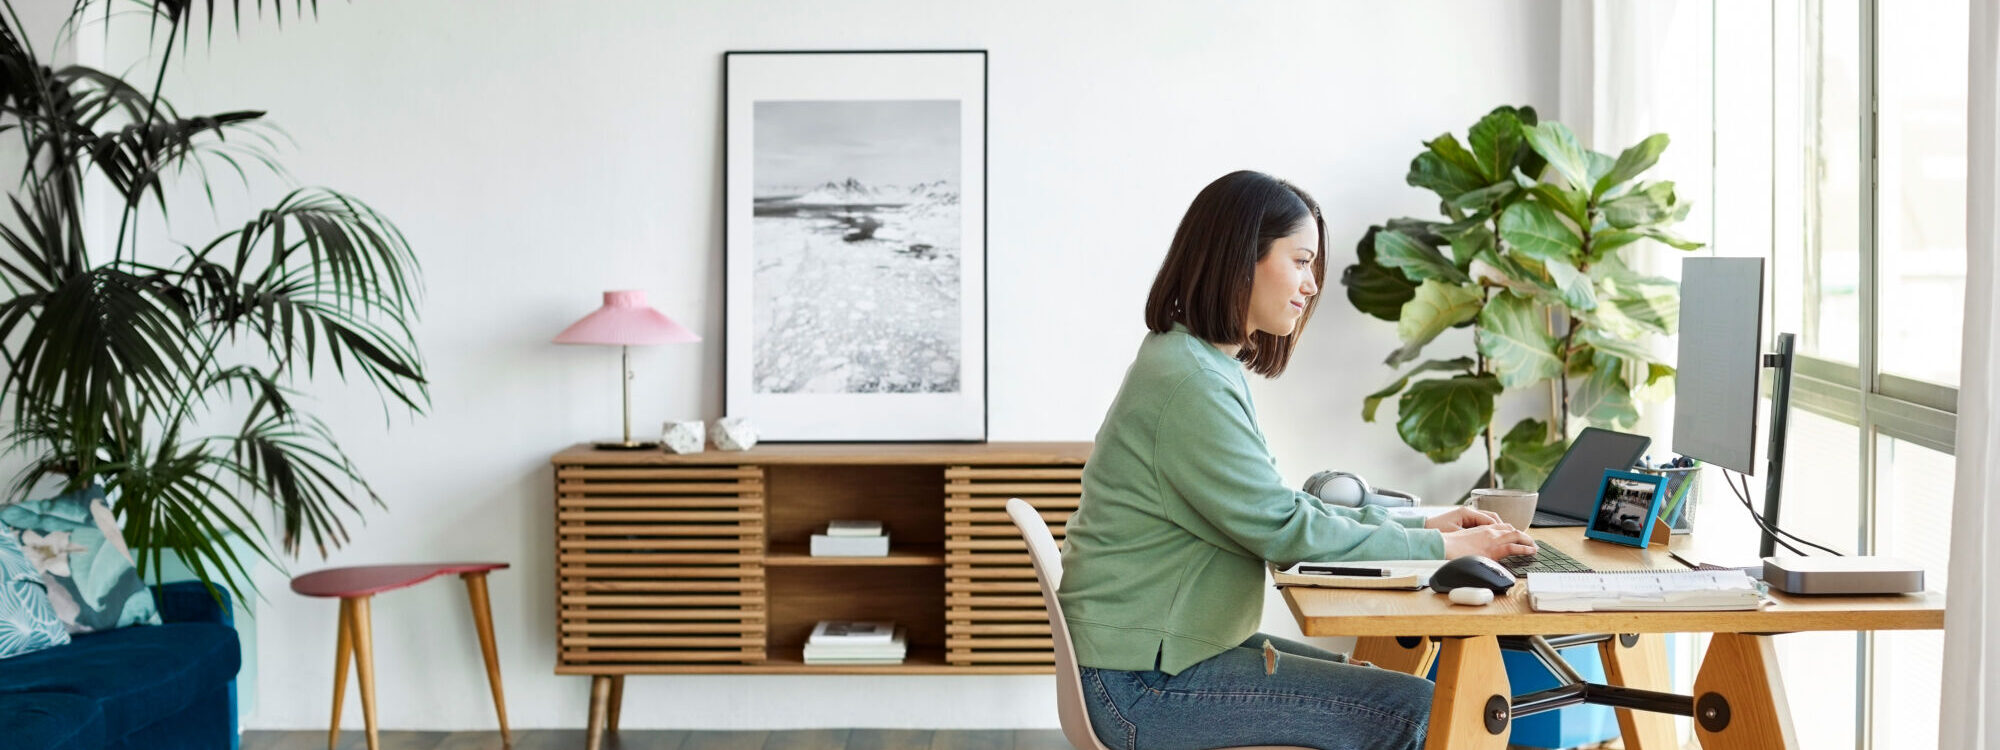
point(1349, 489)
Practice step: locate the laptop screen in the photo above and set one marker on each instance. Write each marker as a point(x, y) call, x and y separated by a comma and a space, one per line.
point(1571, 488)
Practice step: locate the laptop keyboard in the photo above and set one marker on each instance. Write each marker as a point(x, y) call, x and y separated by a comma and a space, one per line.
point(1547, 559)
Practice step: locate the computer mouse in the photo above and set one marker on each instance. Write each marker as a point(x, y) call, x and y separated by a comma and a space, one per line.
point(1472, 570)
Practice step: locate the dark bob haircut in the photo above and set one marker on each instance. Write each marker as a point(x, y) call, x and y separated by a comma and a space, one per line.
point(1205, 281)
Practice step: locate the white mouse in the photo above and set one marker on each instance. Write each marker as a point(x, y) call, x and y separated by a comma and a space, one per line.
point(1471, 595)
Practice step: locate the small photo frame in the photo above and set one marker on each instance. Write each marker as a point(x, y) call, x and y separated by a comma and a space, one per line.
point(1627, 504)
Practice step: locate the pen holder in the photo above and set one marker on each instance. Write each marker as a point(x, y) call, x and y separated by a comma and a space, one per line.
point(1683, 493)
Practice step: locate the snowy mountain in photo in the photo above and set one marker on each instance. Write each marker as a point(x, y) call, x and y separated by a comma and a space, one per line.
point(851, 191)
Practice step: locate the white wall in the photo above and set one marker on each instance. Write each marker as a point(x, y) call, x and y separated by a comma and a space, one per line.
point(537, 153)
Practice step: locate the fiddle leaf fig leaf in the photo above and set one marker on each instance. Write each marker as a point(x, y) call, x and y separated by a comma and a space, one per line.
point(1527, 455)
point(1374, 400)
point(1575, 287)
point(1372, 288)
point(1441, 418)
point(1495, 140)
point(1516, 342)
point(1632, 162)
point(1436, 306)
point(1416, 260)
point(1559, 147)
point(1445, 168)
point(1603, 398)
point(1534, 230)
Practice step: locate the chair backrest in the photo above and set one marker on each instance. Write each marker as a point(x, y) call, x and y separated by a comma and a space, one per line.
point(1048, 572)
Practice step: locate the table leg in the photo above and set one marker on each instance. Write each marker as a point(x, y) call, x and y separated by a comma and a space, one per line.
point(1739, 698)
point(1473, 709)
point(364, 663)
point(600, 698)
point(1409, 655)
point(617, 701)
point(343, 653)
point(1643, 665)
point(482, 618)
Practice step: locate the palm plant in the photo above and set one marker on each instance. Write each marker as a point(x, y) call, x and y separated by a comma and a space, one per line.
point(119, 358)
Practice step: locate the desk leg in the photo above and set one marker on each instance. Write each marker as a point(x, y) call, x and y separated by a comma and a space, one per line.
point(1641, 665)
point(1473, 708)
point(1410, 655)
point(1739, 698)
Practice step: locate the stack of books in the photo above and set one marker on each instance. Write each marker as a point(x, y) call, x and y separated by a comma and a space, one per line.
point(851, 539)
point(847, 642)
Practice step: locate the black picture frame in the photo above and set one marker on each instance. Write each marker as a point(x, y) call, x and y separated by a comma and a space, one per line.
point(865, 316)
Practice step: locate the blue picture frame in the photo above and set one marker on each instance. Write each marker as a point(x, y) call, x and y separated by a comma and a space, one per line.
point(1627, 505)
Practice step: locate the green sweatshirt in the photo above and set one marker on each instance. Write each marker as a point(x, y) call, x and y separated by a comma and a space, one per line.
point(1182, 506)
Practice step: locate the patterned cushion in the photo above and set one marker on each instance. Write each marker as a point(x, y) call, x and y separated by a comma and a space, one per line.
point(27, 621)
point(75, 543)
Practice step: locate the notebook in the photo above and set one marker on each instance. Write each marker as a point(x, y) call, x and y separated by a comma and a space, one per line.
point(1644, 591)
point(1403, 574)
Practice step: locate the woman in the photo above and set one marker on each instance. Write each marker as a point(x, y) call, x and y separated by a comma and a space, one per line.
point(1163, 580)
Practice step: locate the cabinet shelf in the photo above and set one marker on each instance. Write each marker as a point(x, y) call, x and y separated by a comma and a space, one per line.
point(800, 555)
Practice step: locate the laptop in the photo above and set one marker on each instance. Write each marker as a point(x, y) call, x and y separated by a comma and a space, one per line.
point(1569, 495)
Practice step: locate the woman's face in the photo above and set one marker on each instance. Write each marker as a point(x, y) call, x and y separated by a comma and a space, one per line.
point(1284, 282)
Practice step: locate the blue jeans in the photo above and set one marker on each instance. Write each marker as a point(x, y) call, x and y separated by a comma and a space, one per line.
point(1309, 697)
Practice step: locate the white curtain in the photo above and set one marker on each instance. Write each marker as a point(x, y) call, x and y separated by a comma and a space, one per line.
point(1971, 702)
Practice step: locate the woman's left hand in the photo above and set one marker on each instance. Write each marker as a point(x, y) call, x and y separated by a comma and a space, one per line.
point(1459, 518)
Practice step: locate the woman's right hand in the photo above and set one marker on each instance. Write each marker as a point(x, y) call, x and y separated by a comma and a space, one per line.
point(1493, 540)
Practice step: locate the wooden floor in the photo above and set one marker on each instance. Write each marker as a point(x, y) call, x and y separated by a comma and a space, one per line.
point(572, 739)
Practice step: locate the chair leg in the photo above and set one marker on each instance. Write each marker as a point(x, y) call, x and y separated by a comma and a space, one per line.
point(364, 665)
point(600, 696)
point(343, 652)
point(482, 617)
point(617, 701)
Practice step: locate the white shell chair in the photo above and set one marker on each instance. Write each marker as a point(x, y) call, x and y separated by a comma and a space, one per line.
point(1069, 685)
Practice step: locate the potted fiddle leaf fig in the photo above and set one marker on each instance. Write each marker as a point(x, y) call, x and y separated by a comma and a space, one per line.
point(1529, 253)
point(160, 369)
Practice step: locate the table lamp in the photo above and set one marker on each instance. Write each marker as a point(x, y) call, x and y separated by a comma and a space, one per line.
point(626, 321)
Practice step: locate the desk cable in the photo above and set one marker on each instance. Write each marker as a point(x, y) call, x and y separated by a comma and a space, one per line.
point(1778, 535)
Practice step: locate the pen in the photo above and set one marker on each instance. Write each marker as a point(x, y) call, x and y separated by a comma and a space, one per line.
point(1335, 570)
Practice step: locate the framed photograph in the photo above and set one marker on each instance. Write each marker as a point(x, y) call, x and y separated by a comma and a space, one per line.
point(1627, 504)
point(855, 244)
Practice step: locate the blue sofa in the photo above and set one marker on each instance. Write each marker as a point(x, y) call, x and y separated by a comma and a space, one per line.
point(164, 687)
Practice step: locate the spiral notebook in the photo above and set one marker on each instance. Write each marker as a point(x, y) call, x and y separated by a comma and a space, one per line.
point(1645, 591)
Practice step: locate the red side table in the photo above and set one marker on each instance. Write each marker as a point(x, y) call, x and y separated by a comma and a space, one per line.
point(356, 586)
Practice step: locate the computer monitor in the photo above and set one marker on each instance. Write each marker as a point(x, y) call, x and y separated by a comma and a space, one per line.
point(1721, 361)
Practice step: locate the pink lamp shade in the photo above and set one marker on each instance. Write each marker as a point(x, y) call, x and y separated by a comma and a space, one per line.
point(626, 320)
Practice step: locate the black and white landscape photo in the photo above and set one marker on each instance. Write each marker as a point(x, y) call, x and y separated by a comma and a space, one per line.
point(857, 238)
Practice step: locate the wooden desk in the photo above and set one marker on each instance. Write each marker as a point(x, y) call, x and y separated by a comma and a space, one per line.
point(1738, 701)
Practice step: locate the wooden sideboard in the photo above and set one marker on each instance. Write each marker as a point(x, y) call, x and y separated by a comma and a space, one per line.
point(678, 564)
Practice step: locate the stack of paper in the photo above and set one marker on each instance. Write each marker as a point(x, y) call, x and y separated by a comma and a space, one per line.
point(1640, 591)
point(844, 538)
point(845, 642)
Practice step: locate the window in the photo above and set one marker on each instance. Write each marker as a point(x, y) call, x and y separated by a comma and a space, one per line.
point(1856, 140)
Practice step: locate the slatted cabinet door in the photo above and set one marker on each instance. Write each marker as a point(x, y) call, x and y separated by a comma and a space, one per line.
point(659, 566)
point(993, 608)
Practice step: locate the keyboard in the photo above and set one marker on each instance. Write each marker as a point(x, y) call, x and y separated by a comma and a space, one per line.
point(1548, 559)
